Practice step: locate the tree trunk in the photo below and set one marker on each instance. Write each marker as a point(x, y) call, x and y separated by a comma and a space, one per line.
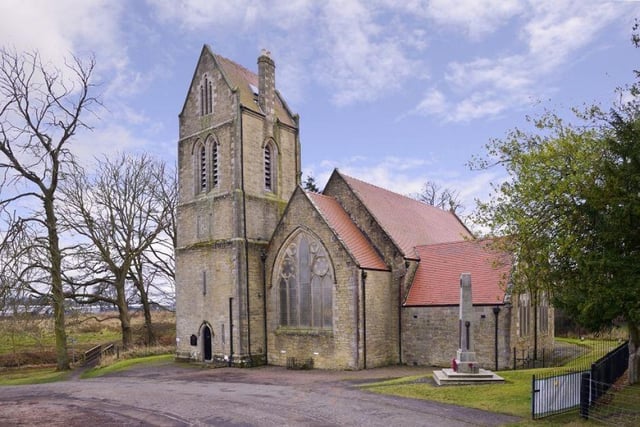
point(57, 292)
point(634, 353)
point(125, 326)
point(150, 337)
point(125, 317)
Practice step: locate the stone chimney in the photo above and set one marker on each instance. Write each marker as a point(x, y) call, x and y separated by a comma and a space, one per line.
point(267, 85)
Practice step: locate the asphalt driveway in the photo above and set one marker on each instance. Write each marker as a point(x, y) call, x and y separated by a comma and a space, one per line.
point(178, 395)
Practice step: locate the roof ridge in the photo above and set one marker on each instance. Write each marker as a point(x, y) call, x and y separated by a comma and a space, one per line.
point(421, 203)
point(456, 242)
point(313, 193)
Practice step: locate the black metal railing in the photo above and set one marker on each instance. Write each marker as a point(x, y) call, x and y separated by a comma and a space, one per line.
point(601, 377)
point(564, 390)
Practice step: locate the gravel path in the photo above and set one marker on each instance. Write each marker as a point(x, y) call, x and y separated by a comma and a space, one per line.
point(178, 395)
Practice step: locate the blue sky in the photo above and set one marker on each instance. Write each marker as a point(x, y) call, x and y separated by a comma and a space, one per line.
point(392, 92)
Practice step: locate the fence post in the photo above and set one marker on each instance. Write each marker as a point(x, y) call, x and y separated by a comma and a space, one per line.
point(533, 397)
point(584, 395)
point(514, 358)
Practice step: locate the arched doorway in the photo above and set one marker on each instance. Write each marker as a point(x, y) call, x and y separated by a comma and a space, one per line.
point(206, 343)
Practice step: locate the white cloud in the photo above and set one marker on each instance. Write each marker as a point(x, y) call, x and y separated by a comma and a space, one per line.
point(557, 29)
point(57, 29)
point(361, 60)
point(357, 51)
point(553, 33)
point(239, 15)
point(476, 18)
point(108, 139)
point(433, 103)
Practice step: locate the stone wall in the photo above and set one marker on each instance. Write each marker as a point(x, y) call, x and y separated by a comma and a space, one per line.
point(430, 335)
point(381, 328)
point(343, 346)
point(206, 284)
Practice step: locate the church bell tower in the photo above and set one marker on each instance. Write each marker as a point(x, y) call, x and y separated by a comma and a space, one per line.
point(239, 162)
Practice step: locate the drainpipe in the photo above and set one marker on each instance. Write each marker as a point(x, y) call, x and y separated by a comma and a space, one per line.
point(263, 258)
point(356, 305)
point(496, 312)
point(401, 280)
point(246, 242)
point(231, 331)
point(363, 274)
point(535, 329)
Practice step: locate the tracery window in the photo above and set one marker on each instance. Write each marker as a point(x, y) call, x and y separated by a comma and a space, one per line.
point(305, 284)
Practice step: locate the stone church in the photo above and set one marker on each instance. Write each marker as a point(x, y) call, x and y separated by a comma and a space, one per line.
point(353, 278)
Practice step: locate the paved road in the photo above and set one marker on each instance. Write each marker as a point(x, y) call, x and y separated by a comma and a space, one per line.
point(179, 395)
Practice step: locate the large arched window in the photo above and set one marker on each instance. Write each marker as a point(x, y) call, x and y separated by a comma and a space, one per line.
point(305, 284)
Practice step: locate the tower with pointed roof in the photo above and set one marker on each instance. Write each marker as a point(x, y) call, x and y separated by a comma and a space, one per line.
point(239, 163)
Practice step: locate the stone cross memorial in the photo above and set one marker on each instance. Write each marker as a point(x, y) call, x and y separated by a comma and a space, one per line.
point(465, 361)
point(465, 369)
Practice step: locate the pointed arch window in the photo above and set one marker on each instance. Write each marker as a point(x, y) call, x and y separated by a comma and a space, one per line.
point(305, 284)
point(524, 312)
point(215, 178)
point(269, 167)
point(206, 96)
point(202, 168)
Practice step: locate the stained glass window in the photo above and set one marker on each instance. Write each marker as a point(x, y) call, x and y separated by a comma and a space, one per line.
point(305, 284)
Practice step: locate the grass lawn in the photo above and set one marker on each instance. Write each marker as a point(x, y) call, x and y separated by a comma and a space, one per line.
point(125, 364)
point(512, 397)
point(38, 375)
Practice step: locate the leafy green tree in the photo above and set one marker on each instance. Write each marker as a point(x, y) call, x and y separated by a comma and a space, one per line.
point(570, 214)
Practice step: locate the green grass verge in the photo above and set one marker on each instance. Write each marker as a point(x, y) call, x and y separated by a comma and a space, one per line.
point(513, 397)
point(24, 376)
point(125, 364)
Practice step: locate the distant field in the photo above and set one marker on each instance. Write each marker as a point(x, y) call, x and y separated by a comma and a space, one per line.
point(28, 339)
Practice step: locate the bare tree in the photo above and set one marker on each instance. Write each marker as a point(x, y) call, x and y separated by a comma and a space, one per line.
point(120, 215)
point(441, 197)
point(153, 271)
point(40, 113)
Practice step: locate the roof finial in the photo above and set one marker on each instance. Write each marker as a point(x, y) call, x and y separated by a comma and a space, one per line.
point(265, 52)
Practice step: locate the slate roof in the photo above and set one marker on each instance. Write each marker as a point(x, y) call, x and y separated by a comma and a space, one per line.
point(437, 280)
point(408, 222)
point(355, 242)
point(240, 77)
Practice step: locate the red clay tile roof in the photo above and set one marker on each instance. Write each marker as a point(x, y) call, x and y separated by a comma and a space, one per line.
point(242, 78)
point(355, 242)
point(408, 222)
point(437, 280)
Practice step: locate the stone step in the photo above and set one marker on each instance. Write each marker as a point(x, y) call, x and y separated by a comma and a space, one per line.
point(448, 376)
